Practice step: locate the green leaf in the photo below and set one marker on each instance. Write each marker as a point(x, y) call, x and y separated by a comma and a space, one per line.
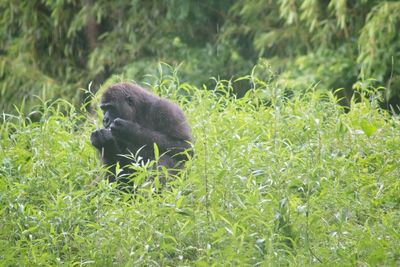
point(368, 128)
point(156, 153)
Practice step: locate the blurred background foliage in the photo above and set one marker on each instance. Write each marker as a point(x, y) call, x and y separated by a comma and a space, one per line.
point(53, 49)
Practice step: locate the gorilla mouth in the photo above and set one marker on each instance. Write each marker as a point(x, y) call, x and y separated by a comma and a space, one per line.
point(107, 122)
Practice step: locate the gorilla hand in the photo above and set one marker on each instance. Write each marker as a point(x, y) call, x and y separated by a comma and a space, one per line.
point(101, 138)
point(124, 128)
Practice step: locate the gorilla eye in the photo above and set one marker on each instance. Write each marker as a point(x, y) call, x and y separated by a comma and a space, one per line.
point(107, 107)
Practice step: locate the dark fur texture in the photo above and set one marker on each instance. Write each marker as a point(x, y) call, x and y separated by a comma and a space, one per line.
point(135, 119)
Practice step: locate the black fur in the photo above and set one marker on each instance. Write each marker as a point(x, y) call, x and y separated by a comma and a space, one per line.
point(135, 119)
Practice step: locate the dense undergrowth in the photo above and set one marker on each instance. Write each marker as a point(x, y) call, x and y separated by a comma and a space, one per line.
point(280, 182)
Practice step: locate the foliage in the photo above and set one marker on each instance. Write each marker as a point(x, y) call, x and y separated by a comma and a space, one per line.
point(52, 49)
point(293, 182)
point(331, 44)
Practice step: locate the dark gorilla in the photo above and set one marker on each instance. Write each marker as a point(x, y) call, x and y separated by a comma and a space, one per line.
point(135, 119)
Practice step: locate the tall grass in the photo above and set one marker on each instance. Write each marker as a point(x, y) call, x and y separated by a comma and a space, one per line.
point(273, 182)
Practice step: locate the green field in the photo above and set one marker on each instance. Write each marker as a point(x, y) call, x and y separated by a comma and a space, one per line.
point(275, 181)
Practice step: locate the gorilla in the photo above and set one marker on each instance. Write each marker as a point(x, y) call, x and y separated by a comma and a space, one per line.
point(134, 119)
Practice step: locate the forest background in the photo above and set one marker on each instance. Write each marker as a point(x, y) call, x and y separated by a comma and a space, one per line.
point(282, 175)
point(51, 49)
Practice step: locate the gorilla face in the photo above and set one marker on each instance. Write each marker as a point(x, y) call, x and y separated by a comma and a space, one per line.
point(109, 114)
point(112, 109)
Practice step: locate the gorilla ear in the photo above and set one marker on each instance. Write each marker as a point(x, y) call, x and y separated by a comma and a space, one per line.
point(130, 101)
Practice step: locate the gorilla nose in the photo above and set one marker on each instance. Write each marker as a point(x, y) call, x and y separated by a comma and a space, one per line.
point(106, 122)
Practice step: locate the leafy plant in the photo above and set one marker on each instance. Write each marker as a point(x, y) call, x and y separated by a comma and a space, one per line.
point(294, 182)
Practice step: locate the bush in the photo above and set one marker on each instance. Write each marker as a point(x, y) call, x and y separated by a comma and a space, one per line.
point(294, 182)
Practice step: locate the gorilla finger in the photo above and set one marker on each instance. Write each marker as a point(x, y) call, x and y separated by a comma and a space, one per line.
point(114, 129)
point(118, 122)
point(94, 135)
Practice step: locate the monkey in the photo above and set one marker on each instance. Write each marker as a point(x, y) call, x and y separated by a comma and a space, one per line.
point(135, 119)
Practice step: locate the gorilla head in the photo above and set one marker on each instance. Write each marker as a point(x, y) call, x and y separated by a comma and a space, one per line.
point(121, 101)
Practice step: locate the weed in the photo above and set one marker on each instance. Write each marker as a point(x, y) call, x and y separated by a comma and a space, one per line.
point(293, 182)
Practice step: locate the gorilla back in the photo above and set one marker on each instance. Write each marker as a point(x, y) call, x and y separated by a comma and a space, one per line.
point(134, 119)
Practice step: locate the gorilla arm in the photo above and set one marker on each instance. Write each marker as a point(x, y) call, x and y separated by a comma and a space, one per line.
point(139, 135)
point(164, 124)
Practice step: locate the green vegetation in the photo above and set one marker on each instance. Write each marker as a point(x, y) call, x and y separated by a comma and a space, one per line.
point(282, 174)
point(273, 182)
point(52, 48)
